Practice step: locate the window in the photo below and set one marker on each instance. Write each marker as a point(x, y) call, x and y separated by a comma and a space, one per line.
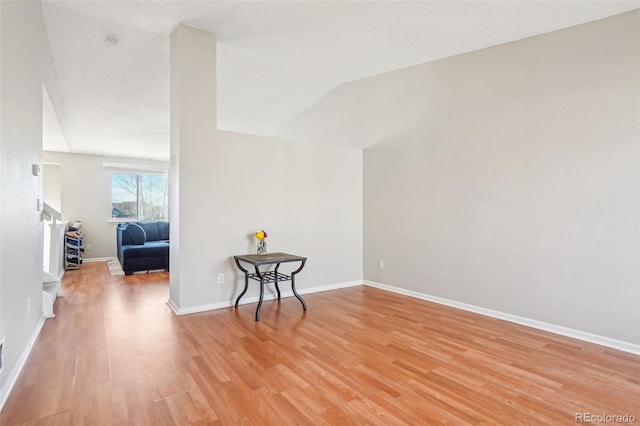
point(139, 196)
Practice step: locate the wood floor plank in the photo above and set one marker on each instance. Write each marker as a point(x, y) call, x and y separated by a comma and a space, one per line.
point(125, 369)
point(163, 379)
point(374, 413)
point(291, 413)
point(303, 398)
point(199, 400)
point(115, 354)
point(16, 410)
point(181, 410)
point(60, 419)
point(51, 395)
point(133, 405)
point(92, 405)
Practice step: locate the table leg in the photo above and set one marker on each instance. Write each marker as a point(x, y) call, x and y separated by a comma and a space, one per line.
point(246, 283)
point(260, 302)
point(293, 286)
point(276, 280)
point(261, 293)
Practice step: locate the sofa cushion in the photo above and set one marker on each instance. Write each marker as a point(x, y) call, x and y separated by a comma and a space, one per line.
point(137, 235)
point(121, 236)
point(150, 249)
point(163, 230)
point(151, 230)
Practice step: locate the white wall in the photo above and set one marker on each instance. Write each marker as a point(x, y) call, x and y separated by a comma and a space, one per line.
point(519, 191)
point(506, 178)
point(307, 197)
point(52, 185)
point(86, 195)
point(22, 45)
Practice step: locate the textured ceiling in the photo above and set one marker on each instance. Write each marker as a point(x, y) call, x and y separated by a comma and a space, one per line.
point(275, 59)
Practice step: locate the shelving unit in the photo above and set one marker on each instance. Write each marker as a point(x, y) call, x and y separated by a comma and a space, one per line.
point(73, 249)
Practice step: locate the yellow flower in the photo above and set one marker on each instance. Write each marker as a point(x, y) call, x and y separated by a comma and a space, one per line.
point(261, 235)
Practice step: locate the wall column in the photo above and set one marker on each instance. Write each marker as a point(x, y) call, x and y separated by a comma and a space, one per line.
point(193, 125)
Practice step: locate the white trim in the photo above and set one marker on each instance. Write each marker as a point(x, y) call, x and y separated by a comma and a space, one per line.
point(97, 259)
point(173, 306)
point(13, 375)
point(540, 325)
point(200, 308)
point(254, 299)
point(327, 287)
point(133, 166)
point(49, 211)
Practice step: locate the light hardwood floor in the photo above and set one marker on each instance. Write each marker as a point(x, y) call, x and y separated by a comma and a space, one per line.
point(115, 354)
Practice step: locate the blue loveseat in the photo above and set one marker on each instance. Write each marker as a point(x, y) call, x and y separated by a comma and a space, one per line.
point(143, 246)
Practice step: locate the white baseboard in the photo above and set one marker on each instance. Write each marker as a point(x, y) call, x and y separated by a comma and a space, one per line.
point(254, 299)
point(13, 375)
point(540, 325)
point(173, 306)
point(322, 288)
point(199, 308)
point(97, 259)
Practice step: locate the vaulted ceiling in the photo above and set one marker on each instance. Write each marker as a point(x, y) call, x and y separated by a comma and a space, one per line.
point(110, 59)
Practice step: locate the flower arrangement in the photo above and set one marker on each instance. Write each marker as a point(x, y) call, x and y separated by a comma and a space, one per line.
point(262, 244)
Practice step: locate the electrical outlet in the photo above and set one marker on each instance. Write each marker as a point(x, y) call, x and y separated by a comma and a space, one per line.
point(29, 305)
point(380, 265)
point(88, 246)
point(220, 278)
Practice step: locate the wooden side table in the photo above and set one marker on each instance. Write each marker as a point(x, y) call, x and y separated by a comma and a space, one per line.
point(265, 277)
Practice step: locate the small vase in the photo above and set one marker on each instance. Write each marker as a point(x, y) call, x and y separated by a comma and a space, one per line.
point(262, 246)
